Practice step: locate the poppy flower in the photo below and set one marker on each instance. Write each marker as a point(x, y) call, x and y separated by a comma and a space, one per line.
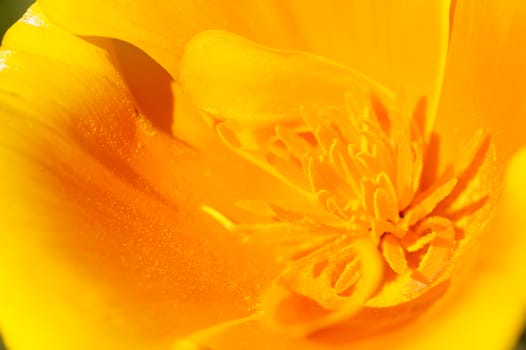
point(265, 175)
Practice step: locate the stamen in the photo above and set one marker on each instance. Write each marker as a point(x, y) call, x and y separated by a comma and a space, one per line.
point(348, 277)
point(363, 177)
point(344, 165)
point(376, 218)
point(385, 206)
point(440, 248)
point(394, 254)
point(427, 202)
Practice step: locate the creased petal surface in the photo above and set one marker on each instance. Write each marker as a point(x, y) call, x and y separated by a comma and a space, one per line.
point(377, 38)
point(98, 249)
point(485, 77)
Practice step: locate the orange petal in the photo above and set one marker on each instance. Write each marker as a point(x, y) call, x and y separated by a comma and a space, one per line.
point(254, 86)
point(94, 252)
point(151, 85)
point(402, 45)
point(162, 28)
point(397, 44)
point(485, 82)
point(158, 97)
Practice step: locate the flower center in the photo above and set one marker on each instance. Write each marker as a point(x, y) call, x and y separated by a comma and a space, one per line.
point(376, 223)
point(361, 172)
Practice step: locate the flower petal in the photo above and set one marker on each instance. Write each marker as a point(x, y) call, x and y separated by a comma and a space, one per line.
point(94, 253)
point(485, 82)
point(150, 84)
point(162, 28)
point(253, 86)
point(400, 45)
point(158, 97)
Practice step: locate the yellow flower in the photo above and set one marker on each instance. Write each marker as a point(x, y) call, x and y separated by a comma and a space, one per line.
point(263, 175)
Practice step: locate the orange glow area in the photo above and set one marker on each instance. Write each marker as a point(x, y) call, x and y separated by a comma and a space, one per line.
point(364, 229)
point(280, 175)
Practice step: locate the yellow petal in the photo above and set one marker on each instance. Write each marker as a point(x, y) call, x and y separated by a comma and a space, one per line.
point(485, 81)
point(400, 45)
point(235, 79)
point(94, 252)
point(159, 98)
point(162, 28)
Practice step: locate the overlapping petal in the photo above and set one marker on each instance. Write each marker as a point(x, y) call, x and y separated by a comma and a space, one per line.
point(100, 246)
point(253, 86)
point(377, 38)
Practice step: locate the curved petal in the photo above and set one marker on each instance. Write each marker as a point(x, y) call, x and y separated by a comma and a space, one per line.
point(162, 28)
point(400, 45)
point(233, 78)
point(158, 97)
point(483, 308)
point(485, 81)
point(95, 252)
point(151, 85)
